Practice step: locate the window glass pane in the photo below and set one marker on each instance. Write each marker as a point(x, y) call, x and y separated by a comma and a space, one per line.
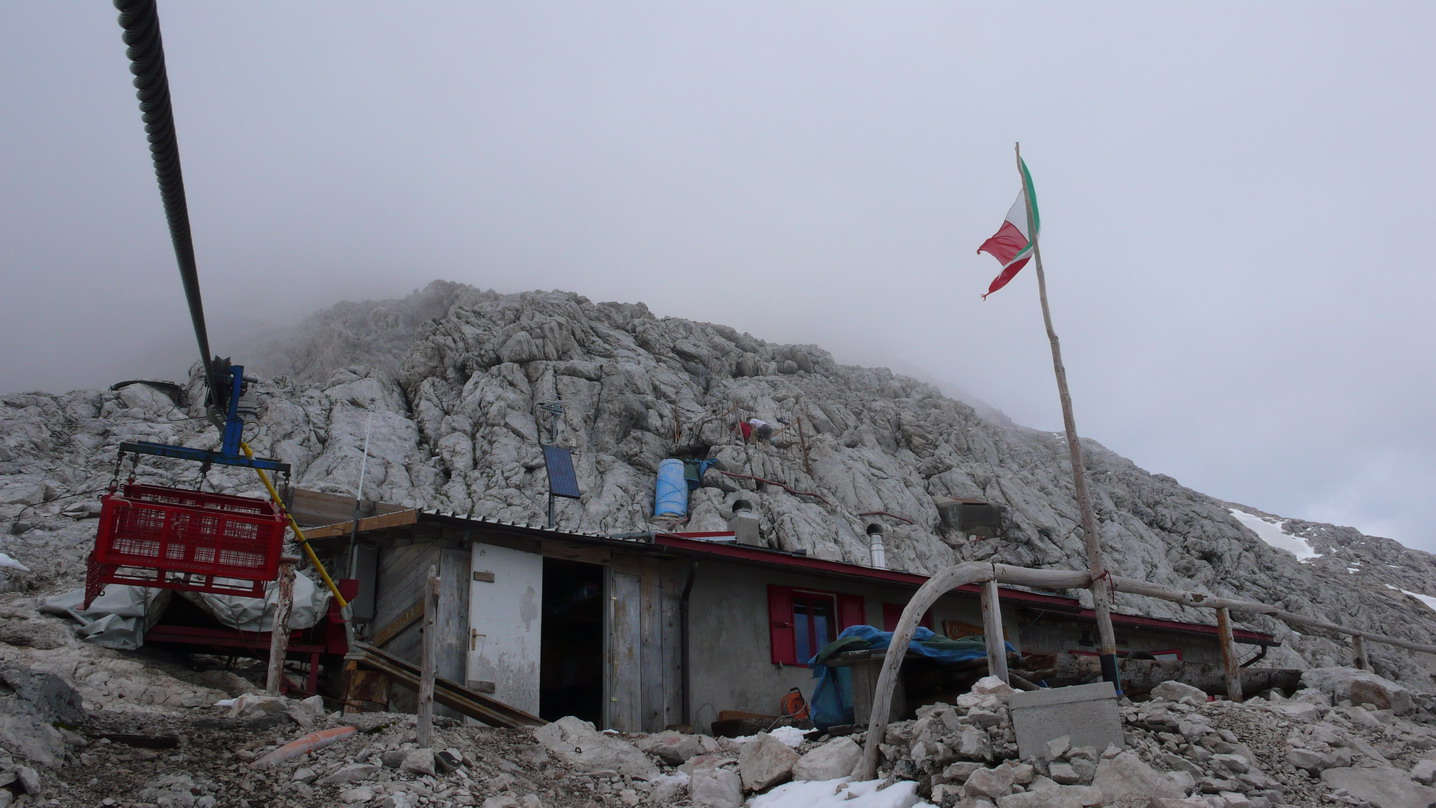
point(822, 632)
point(801, 631)
point(812, 623)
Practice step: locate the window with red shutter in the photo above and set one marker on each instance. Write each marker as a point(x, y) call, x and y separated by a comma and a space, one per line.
point(802, 621)
point(780, 628)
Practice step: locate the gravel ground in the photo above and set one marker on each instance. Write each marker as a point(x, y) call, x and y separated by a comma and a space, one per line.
point(209, 767)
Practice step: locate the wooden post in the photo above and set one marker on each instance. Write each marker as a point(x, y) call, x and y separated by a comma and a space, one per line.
point(1358, 644)
point(803, 443)
point(279, 631)
point(1230, 668)
point(428, 660)
point(1101, 584)
point(926, 595)
point(992, 631)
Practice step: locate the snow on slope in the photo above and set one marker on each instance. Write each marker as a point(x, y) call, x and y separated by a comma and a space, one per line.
point(841, 794)
point(1426, 599)
point(1273, 533)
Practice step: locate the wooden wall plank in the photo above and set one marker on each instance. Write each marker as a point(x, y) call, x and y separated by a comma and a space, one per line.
point(622, 691)
point(452, 652)
point(650, 647)
point(674, 575)
point(401, 576)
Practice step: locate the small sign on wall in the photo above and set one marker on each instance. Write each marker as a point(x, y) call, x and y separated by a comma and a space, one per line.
point(956, 629)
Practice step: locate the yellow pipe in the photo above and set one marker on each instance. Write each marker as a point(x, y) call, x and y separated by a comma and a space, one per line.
point(298, 534)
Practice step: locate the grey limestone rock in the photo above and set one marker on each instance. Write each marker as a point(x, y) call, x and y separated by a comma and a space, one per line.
point(675, 748)
point(578, 743)
point(1127, 774)
point(452, 376)
point(833, 759)
point(1379, 787)
point(1359, 687)
point(1060, 797)
point(349, 773)
point(765, 761)
point(1176, 691)
point(715, 787)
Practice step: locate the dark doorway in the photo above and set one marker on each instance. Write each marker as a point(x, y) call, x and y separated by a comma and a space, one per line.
point(571, 647)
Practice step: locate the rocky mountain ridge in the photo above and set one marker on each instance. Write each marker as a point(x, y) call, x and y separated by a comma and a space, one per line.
point(446, 384)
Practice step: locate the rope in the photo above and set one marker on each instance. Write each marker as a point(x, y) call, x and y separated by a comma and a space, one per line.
point(789, 489)
point(141, 23)
point(885, 513)
point(298, 534)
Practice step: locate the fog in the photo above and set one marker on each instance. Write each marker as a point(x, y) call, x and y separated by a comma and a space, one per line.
point(1234, 199)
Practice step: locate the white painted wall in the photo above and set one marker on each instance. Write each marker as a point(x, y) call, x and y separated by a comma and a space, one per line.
point(505, 624)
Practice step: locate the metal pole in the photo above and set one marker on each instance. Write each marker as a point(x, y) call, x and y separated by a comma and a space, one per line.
point(359, 498)
point(1101, 584)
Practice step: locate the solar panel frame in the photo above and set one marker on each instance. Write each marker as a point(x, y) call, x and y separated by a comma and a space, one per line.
point(562, 480)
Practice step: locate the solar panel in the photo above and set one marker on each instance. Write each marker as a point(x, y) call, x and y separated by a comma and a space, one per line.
point(562, 482)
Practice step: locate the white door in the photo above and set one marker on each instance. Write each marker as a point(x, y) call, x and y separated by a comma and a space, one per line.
point(505, 625)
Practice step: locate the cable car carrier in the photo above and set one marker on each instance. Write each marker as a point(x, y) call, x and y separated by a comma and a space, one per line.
point(174, 538)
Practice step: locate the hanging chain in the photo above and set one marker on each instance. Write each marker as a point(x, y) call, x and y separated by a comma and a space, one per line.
point(115, 475)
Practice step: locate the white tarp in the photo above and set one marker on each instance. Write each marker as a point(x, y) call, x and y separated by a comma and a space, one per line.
point(311, 602)
point(120, 616)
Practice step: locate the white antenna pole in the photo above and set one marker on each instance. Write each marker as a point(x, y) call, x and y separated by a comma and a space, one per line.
point(364, 460)
point(359, 498)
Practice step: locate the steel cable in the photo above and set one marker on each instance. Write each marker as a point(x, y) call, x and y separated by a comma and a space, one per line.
point(141, 23)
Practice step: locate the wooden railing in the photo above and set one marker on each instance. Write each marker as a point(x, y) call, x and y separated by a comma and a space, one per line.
point(988, 574)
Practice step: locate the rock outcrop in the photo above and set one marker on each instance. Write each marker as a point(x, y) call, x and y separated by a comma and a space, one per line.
point(453, 378)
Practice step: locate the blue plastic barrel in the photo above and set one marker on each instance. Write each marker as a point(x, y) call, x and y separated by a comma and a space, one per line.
point(672, 492)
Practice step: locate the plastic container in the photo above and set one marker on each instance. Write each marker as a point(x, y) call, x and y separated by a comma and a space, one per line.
point(671, 497)
point(173, 538)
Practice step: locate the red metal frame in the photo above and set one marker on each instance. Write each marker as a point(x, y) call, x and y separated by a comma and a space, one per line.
point(173, 538)
point(326, 639)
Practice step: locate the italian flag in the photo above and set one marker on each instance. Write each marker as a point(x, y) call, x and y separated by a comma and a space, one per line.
point(1012, 243)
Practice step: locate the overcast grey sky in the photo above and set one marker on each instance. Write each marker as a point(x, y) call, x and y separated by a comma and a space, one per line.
point(1235, 199)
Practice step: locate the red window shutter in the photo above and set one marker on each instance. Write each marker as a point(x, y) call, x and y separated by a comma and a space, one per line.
point(851, 611)
point(780, 625)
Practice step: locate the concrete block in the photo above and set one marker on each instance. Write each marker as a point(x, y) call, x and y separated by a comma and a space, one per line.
point(1088, 714)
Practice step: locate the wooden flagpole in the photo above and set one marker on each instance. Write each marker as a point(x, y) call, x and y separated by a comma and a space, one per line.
point(1101, 582)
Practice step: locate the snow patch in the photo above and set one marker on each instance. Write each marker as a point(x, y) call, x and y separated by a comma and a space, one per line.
point(7, 561)
point(792, 736)
point(1274, 533)
point(1426, 599)
point(841, 794)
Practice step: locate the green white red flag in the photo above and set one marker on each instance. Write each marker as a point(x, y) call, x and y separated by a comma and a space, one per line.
point(1012, 243)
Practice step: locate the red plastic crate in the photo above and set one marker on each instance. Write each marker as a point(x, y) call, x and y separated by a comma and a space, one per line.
point(174, 538)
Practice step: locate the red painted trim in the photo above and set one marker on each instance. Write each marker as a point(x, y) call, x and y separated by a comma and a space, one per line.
point(892, 613)
point(224, 638)
point(740, 552)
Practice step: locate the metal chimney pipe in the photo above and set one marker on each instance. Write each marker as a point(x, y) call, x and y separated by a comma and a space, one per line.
point(879, 554)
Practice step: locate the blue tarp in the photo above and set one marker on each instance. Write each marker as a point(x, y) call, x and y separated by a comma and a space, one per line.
point(832, 701)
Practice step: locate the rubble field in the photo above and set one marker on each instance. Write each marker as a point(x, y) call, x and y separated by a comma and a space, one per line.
point(85, 726)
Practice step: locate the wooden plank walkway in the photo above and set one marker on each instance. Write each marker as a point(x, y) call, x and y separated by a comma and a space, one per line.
point(451, 694)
